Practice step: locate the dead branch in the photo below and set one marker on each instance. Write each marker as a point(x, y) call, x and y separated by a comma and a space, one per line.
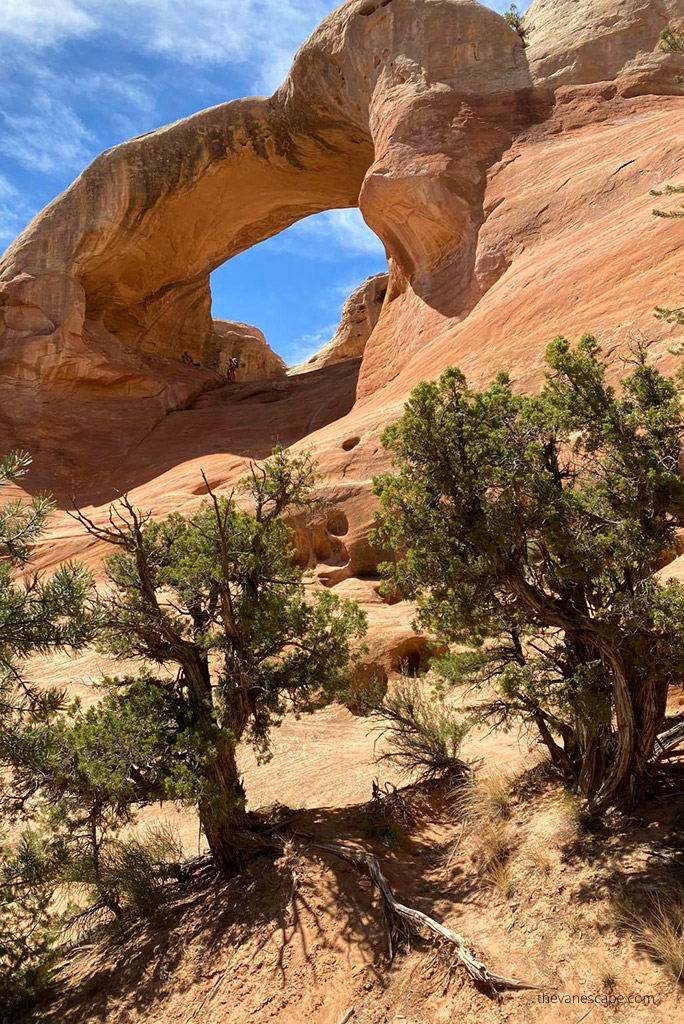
point(401, 918)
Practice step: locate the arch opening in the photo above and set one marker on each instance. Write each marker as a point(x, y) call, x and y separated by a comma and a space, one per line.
point(286, 295)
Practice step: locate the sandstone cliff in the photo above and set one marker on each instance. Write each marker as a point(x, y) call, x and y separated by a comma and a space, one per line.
point(449, 134)
point(510, 186)
point(360, 314)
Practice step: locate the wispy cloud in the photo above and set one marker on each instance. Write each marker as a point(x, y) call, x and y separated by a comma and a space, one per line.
point(38, 23)
point(261, 35)
point(308, 345)
point(326, 235)
point(51, 137)
point(14, 211)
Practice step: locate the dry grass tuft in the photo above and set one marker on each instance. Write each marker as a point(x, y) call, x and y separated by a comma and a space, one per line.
point(537, 862)
point(657, 926)
point(487, 798)
point(500, 876)
point(562, 824)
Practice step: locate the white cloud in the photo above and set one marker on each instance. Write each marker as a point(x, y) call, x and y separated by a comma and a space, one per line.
point(308, 345)
point(333, 230)
point(49, 138)
point(41, 23)
point(14, 211)
point(261, 35)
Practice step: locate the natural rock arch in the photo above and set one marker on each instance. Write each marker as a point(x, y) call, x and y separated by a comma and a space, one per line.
point(397, 105)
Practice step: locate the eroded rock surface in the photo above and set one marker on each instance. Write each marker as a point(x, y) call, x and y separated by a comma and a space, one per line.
point(360, 314)
point(232, 339)
point(509, 184)
point(400, 106)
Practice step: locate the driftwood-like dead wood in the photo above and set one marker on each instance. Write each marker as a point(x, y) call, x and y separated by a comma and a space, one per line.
point(401, 918)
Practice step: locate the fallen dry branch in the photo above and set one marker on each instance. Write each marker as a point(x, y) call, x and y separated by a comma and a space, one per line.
point(402, 918)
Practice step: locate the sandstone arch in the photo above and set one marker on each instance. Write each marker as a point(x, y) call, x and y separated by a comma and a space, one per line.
point(397, 105)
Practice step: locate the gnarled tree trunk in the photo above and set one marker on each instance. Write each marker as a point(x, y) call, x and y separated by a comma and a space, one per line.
point(222, 810)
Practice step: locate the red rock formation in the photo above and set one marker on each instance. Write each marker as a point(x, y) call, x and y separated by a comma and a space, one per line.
point(360, 314)
point(231, 339)
point(509, 185)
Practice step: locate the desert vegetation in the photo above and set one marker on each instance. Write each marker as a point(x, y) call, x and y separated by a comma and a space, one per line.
point(215, 605)
point(532, 528)
point(523, 824)
point(529, 531)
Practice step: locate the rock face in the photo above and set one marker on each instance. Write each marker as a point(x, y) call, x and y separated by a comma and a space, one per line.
point(509, 185)
point(360, 314)
point(247, 344)
point(400, 106)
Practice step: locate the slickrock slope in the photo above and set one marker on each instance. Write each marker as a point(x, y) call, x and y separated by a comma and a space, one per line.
point(510, 186)
point(406, 107)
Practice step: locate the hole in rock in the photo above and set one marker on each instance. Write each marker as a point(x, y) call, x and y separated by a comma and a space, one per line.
point(350, 443)
point(338, 524)
point(411, 663)
point(413, 657)
point(292, 286)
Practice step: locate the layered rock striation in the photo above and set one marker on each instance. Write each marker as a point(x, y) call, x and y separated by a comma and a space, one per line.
point(508, 182)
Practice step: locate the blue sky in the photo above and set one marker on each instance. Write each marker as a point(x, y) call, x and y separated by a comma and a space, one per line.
point(78, 76)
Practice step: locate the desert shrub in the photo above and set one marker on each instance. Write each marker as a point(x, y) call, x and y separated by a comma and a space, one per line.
point(530, 528)
point(135, 869)
point(514, 18)
point(386, 816)
point(29, 927)
point(365, 690)
point(423, 734)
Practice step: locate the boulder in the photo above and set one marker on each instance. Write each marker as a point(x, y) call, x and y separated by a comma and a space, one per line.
point(232, 339)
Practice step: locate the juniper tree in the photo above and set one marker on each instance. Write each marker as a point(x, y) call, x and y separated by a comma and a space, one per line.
point(218, 600)
point(529, 530)
point(37, 615)
point(514, 18)
point(78, 776)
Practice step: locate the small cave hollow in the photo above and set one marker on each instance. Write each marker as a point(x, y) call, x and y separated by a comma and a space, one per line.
point(338, 524)
point(204, 488)
point(350, 443)
point(413, 657)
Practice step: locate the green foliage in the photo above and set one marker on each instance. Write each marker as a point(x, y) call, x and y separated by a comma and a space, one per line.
point(672, 41)
point(131, 871)
point(28, 926)
point(670, 315)
point(531, 528)
point(36, 614)
point(217, 601)
point(514, 18)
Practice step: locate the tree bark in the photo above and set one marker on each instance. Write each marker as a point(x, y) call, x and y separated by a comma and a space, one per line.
point(639, 711)
point(222, 811)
